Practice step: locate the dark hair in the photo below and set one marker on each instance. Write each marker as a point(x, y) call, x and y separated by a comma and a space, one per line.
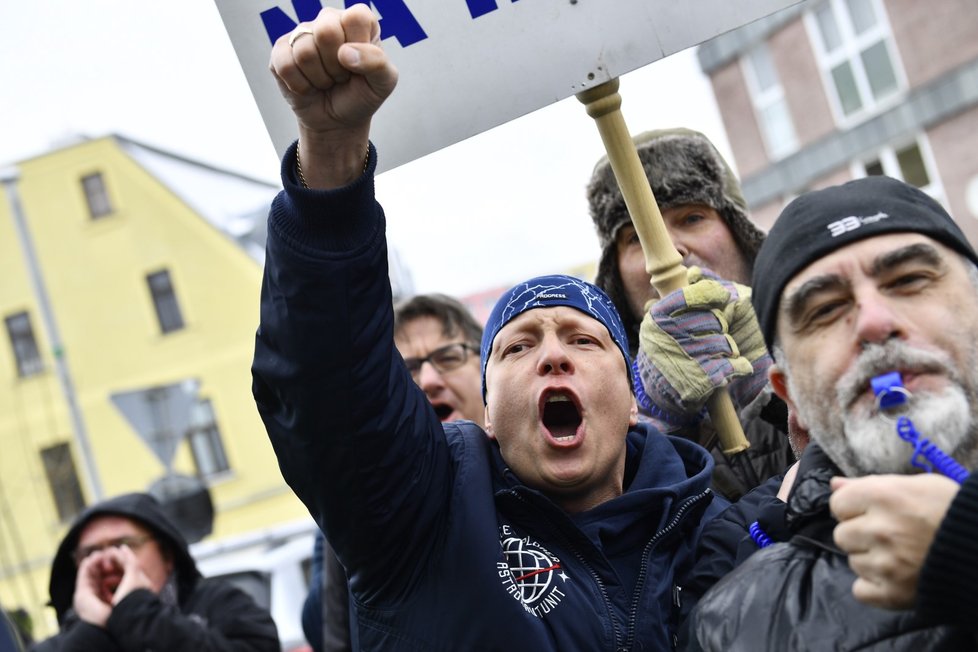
point(452, 314)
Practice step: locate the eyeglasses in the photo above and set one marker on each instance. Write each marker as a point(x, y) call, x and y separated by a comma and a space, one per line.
point(133, 542)
point(444, 359)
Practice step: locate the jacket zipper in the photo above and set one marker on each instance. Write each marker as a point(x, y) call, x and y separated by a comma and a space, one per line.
point(644, 568)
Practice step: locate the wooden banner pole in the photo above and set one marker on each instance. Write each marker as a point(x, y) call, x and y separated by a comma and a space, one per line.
point(662, 261)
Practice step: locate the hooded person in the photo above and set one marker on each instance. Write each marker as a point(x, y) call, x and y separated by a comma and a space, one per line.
point(123, 580)
point(704, 336)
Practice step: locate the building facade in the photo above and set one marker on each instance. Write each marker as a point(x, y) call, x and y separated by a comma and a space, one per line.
point(129, 287)
point(830, 90)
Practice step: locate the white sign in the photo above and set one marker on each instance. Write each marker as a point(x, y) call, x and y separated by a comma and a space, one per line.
point(469, 65)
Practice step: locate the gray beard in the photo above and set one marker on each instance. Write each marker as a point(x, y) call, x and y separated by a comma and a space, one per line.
point(872, 445)
point(861, 441)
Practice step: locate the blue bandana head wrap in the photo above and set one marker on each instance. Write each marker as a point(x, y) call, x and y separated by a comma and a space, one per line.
point(549, 292)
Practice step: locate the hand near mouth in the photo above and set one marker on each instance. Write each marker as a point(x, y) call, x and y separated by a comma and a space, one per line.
point(90, 601)
point(133, 576)
point(104, 579)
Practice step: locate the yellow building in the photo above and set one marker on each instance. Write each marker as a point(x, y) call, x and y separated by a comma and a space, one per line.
point(151, 266)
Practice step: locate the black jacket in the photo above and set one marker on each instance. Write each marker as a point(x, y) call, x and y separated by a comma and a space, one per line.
point(946, 590)
point(797, 595)
point(765, 424)
point(210, 615)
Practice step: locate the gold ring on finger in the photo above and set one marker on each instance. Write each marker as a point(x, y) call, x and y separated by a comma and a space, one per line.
point(296, 34)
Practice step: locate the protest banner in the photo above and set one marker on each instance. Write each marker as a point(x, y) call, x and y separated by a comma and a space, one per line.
point(469, 65)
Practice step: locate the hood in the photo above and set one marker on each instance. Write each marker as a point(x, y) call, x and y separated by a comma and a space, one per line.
point(139, 507)
point(683, 167)
point(662, 475)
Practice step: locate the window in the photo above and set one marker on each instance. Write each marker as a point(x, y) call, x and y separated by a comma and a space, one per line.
point(96, 195)
point(855, 52)
point(63, 480)
point(770, 105)
point(909, 162)
point(205, 441)
point(24, 345)
point(165, 301)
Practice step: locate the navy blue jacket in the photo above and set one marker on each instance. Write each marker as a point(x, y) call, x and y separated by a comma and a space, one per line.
point(445, 548)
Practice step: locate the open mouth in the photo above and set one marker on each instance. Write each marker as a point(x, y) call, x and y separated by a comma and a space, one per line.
point(443, 411)
point(109, 585)
point(561, 416)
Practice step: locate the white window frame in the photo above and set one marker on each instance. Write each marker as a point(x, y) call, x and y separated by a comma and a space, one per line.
point(887, 156)
point(765, 99)
point(850, 49)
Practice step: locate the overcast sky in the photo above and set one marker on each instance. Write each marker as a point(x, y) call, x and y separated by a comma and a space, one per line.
point(489, 211)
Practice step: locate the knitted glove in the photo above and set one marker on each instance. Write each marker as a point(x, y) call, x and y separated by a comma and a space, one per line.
point(696, 339)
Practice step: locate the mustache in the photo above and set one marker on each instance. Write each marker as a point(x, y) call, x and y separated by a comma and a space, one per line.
point(892, 355)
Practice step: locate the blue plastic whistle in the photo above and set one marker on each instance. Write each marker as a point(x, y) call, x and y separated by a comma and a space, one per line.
point(889, 390)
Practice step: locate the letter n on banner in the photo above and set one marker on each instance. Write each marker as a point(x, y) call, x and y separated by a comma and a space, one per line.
point(482, 7)
point(396, 20)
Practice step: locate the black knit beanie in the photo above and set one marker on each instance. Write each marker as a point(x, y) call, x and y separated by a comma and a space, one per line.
point(822, 221)
point(683, 167)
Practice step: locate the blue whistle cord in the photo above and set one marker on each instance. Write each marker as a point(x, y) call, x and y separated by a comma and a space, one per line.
point(890, 392)
point(928, 456)
point(757, 534)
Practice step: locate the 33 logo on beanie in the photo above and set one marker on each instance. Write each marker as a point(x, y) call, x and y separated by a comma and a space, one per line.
point(852, 223)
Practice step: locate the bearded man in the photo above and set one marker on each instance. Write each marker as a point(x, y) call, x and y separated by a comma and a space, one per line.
point(861, 280)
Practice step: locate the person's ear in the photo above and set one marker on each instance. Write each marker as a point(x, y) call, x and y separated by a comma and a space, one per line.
point(633, 414)
point(779, 383)
point(488, 427)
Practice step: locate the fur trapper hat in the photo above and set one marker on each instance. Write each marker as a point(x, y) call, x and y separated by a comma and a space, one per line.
point(683, 167)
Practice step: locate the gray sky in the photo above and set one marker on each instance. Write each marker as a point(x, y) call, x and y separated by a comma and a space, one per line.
point(489, 211)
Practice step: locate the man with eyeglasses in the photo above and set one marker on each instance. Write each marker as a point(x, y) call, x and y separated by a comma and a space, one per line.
point(123, 580)
point(439, 341)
